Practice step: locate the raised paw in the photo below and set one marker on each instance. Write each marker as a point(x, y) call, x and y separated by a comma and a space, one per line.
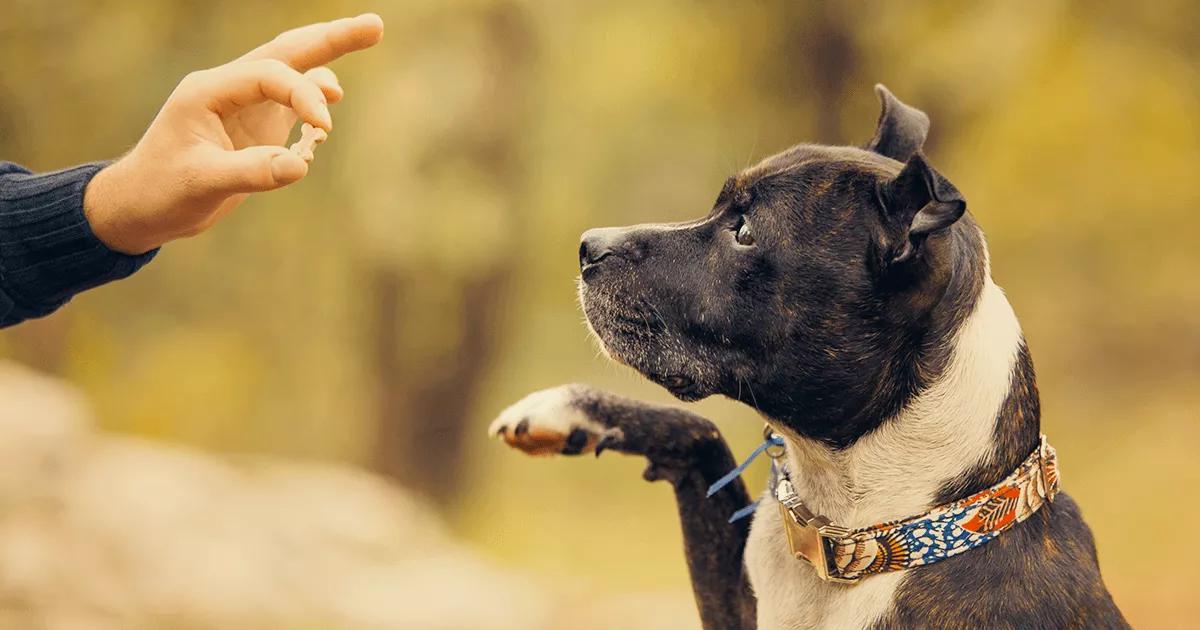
point(550, 422)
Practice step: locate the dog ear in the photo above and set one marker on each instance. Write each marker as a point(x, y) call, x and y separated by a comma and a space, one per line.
point(901, 130)
point(918, 202)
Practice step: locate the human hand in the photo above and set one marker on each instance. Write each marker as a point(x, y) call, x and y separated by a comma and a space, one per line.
point(220, 136)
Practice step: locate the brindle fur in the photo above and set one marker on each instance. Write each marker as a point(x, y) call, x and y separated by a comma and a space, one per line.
point(863, 269)
point(1042, 574)
point(688, 452)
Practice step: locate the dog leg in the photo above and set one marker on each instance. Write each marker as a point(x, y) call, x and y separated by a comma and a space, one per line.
point(683, 449)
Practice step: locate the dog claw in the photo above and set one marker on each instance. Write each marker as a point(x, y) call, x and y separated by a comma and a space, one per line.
point(608, 440)
point(652, 473)
point(522, 427)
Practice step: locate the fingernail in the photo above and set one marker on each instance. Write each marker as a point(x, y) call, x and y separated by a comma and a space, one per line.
point(284, 168)
point(325, 118)
point(278, 169)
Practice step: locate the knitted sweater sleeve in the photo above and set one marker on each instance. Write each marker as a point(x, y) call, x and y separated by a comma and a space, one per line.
point(48, 252)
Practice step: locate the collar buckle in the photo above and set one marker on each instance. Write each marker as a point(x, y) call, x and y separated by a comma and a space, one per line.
point(810, 536)
point(1048, 467)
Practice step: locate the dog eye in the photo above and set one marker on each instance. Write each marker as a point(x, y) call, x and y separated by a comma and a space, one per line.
point(743, 235)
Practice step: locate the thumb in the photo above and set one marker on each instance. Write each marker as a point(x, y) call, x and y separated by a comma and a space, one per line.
point(257, 169)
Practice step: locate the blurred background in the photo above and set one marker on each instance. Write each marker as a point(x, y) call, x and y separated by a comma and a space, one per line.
point(282, 423)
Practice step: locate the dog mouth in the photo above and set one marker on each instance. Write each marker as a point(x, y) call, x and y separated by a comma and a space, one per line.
point(632, 331)
point(621, 316)
point(639, 315)
point(680, 386)
point(637, 323)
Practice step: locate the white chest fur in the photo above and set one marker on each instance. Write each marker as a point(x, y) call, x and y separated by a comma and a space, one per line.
point(893, 472)
point(792, 597)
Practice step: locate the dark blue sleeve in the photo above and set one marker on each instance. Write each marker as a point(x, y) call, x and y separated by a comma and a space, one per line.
point(48, 252)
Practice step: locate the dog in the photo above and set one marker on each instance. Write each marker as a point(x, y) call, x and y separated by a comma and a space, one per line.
point(845, 293)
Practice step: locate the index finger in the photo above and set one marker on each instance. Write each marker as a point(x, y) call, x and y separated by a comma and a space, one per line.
point(315, 45)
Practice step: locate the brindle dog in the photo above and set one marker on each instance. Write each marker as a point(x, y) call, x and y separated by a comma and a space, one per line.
point(845, 293)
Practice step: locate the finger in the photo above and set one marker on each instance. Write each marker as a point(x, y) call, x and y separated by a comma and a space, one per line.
point(318, 44)
point(233, 86)
point(328, 82)
point(253, 169)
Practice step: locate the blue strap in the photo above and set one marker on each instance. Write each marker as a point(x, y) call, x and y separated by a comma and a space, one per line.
point(744, 512)
point(773, 440)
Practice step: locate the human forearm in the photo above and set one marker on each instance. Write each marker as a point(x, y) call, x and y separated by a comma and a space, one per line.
point(217, 138)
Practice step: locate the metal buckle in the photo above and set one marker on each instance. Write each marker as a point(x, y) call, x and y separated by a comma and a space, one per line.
point(807, 533)
point(1047, 458)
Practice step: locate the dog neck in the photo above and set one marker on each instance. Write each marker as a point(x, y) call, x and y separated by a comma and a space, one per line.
point(965, 431)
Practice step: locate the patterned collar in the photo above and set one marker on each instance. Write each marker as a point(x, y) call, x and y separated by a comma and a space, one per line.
point(840, 554)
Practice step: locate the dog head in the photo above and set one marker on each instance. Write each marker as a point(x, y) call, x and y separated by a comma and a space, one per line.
point(819, 288)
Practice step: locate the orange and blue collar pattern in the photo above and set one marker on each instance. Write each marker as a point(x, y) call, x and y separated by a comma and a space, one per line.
point(840, 554)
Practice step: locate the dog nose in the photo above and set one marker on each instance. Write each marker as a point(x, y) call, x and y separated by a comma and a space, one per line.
point(597, 244)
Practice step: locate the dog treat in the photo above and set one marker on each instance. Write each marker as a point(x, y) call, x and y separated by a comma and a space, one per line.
point(310, 137)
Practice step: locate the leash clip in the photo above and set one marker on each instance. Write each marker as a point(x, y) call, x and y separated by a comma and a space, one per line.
point(775, 448)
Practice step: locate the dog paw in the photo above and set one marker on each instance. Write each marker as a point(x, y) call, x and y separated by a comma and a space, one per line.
point(551, 422)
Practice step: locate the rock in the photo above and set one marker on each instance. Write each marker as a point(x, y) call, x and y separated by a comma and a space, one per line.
point(102, 531)
point(44, 426)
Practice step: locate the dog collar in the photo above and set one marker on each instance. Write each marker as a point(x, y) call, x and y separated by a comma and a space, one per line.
point(840, 554)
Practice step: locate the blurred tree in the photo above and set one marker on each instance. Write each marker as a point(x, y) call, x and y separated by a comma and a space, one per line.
point(814, 60)
point(430, 364)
